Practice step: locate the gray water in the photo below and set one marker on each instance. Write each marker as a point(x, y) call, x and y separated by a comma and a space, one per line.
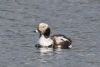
point(77, 19)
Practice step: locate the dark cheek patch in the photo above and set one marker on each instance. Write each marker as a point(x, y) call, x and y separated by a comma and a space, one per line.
point(47, 32)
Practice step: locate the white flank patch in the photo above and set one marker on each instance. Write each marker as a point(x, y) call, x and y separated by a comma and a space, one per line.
point(45, 50)
point(45, 41)
point(59, 46)
point(70, 46)
point(60, 39)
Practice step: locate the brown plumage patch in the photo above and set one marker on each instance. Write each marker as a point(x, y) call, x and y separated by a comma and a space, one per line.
point(63, 44)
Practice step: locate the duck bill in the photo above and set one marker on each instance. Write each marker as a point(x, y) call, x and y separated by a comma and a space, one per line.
point(36, 31)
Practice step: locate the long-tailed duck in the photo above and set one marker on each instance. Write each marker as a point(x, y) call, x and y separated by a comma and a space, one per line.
point(55, 41)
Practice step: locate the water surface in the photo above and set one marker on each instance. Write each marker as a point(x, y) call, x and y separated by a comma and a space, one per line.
point(77, 19)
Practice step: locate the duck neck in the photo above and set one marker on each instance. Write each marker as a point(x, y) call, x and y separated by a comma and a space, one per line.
point(46, 34)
